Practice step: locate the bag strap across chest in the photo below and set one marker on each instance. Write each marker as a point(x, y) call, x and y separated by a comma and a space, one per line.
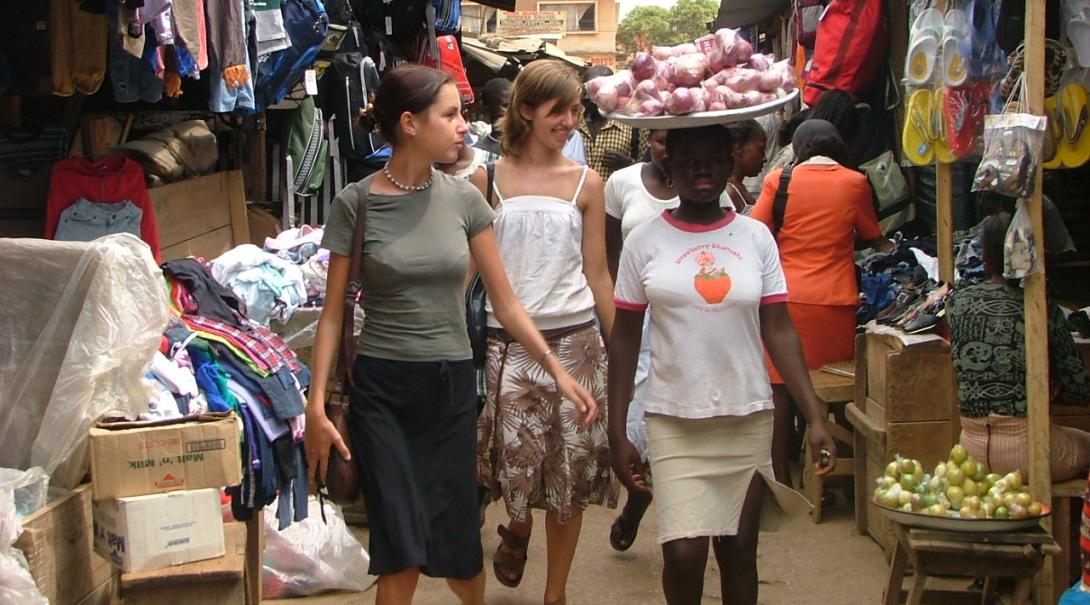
point(779, 203)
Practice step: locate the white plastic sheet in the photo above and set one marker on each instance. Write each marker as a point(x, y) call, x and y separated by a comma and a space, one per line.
point(80, 324)
point(310, 557)
point(16, 583)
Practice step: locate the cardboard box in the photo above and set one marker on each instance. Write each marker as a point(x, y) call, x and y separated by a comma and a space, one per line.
point(139, 458)
point(57, 541)
point(151, 532)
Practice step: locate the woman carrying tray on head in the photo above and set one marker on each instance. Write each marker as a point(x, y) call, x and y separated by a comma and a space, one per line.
point(550, 228)
point(413, 410)
point(714, 281)
point(635, 195)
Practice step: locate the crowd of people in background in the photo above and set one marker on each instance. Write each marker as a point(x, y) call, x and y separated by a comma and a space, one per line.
point(714, 264)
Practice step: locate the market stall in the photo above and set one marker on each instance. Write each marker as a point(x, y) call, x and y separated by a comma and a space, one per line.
point(926, 53)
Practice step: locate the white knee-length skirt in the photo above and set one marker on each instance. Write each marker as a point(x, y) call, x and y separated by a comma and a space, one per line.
point(703, 468)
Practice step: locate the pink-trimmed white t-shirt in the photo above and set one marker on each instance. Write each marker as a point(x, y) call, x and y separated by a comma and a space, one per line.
point(706, 284)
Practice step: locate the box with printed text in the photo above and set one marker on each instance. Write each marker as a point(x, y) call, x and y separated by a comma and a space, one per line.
point(152, 532)
point(139, 458)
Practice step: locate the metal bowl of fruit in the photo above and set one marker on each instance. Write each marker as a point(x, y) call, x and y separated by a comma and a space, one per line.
point(961, 494)
point(954, 521)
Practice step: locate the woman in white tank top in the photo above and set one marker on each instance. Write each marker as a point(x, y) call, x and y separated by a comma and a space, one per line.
point(534, 452)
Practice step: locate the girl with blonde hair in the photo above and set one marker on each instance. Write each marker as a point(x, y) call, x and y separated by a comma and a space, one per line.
point(533, 449)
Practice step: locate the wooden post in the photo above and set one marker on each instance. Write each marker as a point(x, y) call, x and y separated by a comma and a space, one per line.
point(1036, 319)
point(944, 208)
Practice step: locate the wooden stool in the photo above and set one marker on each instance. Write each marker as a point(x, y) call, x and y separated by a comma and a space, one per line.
point(836, 391)
point(1067, 497)
point(220, 580)
point(991, 556)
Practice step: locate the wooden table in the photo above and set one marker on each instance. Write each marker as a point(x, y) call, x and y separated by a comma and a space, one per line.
point(836, 391)
point(1018, 555)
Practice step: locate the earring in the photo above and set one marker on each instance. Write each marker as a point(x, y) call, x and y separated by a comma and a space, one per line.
point(670, 183)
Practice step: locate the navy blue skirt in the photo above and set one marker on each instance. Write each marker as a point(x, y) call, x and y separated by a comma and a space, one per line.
point(414, 435)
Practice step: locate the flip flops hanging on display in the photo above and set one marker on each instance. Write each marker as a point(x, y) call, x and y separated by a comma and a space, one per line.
point(950, 68)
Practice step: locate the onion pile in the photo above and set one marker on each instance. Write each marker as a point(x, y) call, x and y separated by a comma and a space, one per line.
point(716, 73)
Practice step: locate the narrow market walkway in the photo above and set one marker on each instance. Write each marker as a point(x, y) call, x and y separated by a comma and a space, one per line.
point(828, 562)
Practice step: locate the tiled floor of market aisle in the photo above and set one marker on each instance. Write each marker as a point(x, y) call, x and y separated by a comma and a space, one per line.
point(828, 562)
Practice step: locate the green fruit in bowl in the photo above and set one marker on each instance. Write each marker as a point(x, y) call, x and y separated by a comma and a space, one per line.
point(958, 454)
point(886, 482)
point(936, 510)
point(909, 482)
point(904, 497)
point(972, 502)
point(936, 485)
point(886, 499)
point(1015, 480)
point(908, 466)
point(1035, 509)
point(1001, 512)
point(981, 472)
point(940, 469)
point(1023, 499)
point(956, 495)
point(969, 487)
point(969, 467)
point(893, 470)
point(1017, 511)
point(954, 475)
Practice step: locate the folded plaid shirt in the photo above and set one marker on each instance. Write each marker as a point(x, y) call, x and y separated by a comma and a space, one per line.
point(265, 349)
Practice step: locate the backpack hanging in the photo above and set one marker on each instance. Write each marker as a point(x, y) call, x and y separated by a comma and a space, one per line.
point(307, 24)
point(347, 87)
point(852, 41)
point(304, 139)
point(443, 53)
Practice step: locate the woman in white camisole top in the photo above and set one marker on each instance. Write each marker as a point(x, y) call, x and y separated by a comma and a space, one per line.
point(533, 450)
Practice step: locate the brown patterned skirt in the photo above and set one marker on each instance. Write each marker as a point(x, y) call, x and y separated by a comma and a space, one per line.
point(531, 449)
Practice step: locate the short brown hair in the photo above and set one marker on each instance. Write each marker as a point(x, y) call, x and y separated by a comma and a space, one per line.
point(542, 81)
point(411, 88)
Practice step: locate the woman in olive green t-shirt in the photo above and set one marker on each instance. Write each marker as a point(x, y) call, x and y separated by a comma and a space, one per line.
point(413, 412)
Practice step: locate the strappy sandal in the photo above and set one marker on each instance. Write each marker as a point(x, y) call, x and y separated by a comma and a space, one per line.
point(504, 563)
point(622, 538)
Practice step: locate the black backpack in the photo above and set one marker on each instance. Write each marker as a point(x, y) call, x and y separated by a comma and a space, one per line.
point(348, 86)
point(399, 20)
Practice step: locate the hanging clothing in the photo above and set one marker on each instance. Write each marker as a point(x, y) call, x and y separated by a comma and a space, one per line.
point(113, 179)
point(232, 85)
point(77, 48)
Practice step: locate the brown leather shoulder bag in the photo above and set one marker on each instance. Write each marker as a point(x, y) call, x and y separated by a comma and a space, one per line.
point(343, 476)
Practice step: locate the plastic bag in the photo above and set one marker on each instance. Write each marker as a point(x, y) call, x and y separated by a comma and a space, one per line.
point(310, 557)
point(80, 324)
point(30, 488)
point(1020, 246)
point(1012, 154)
point(16, 583)
point(1013, 146)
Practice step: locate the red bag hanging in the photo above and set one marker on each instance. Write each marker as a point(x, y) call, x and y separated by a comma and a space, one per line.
point(450, 62)
point(852, 40)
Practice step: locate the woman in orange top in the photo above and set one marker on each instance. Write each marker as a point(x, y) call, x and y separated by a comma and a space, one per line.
point(829, 207)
